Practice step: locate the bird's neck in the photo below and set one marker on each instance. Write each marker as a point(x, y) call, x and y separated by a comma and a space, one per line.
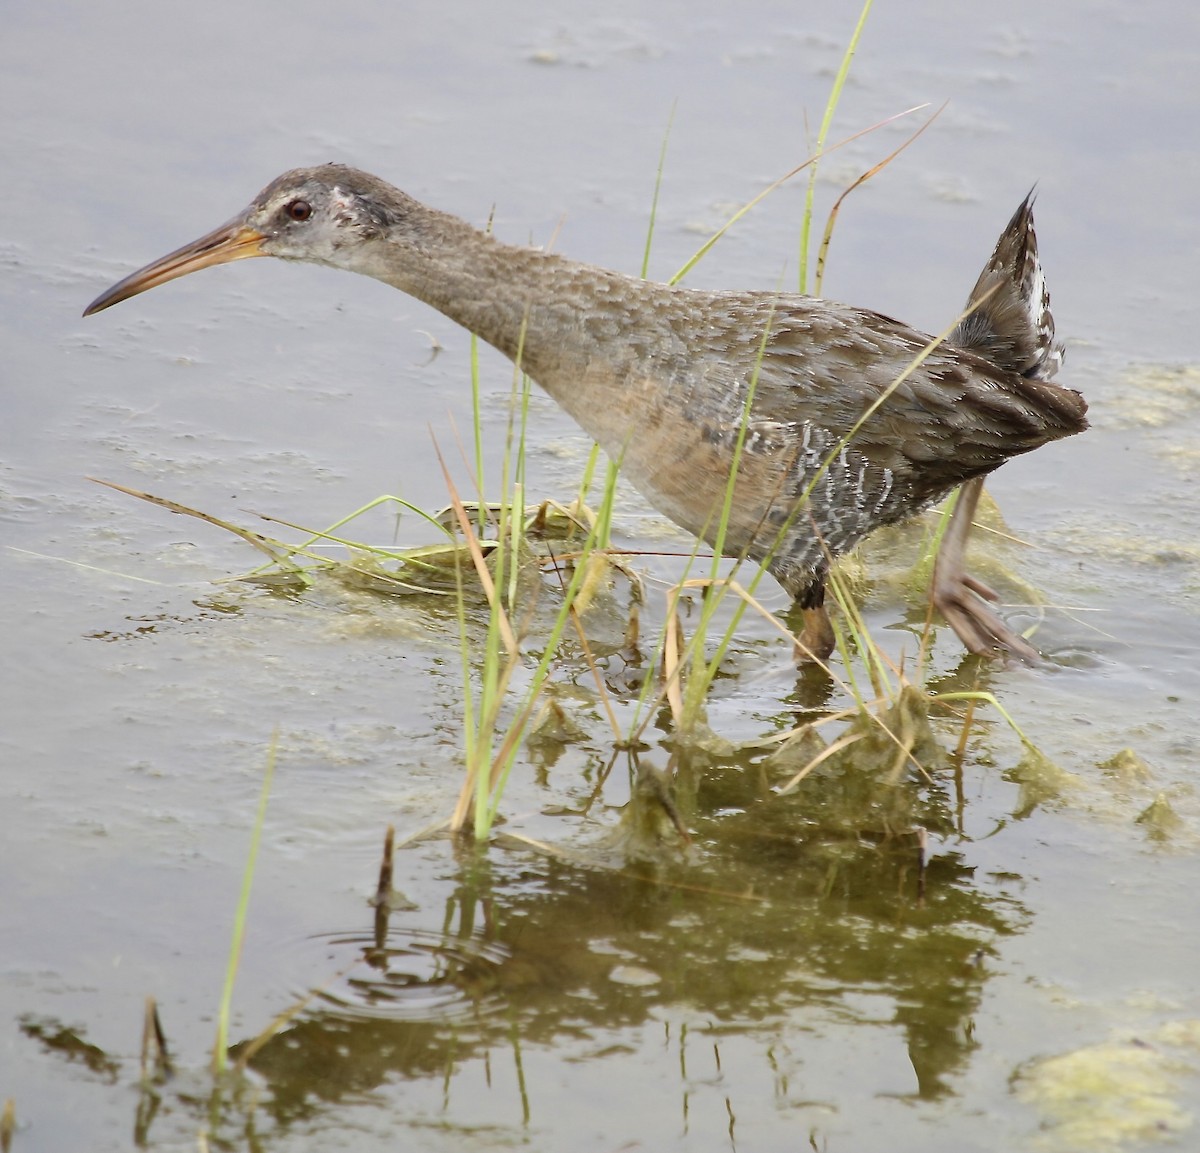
point(602, 345)
point(532, 306)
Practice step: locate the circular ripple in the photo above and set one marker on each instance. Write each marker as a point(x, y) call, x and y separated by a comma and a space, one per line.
point(410, 975)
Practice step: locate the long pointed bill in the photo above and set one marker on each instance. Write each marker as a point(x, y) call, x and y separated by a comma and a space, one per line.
point(232, 241)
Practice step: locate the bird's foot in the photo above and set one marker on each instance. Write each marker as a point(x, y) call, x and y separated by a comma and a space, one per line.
point(816, 640)
point(962, 600)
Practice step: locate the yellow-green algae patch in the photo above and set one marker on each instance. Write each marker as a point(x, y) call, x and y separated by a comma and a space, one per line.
point(1154, 396)
point(1116, 1095)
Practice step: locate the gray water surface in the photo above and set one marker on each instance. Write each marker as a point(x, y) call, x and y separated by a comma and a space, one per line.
point(780, 984)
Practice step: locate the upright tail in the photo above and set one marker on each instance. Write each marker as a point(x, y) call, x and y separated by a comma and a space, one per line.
point(1012, 326)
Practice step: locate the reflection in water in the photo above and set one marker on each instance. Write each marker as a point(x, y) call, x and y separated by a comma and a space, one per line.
point(719, 914)
point(796, 913)
point(67, 1042)
point(784, 918)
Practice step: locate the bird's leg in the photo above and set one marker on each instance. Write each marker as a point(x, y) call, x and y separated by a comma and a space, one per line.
point(960, 597)
point(816, 640)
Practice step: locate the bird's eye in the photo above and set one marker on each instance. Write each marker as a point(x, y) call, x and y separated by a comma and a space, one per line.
point(299, 210)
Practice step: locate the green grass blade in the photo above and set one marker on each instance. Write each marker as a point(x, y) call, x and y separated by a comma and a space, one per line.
point(831, 104)
point(221, 1045)
point(662, 160)
point(703, 250)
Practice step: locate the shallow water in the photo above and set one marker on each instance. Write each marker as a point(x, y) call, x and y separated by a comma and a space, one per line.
point(788, 978)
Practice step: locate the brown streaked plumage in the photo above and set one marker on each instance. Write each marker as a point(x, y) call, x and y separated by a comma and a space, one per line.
point(660, 376)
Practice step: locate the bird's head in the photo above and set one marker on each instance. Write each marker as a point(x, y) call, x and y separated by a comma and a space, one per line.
point(320, 214)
